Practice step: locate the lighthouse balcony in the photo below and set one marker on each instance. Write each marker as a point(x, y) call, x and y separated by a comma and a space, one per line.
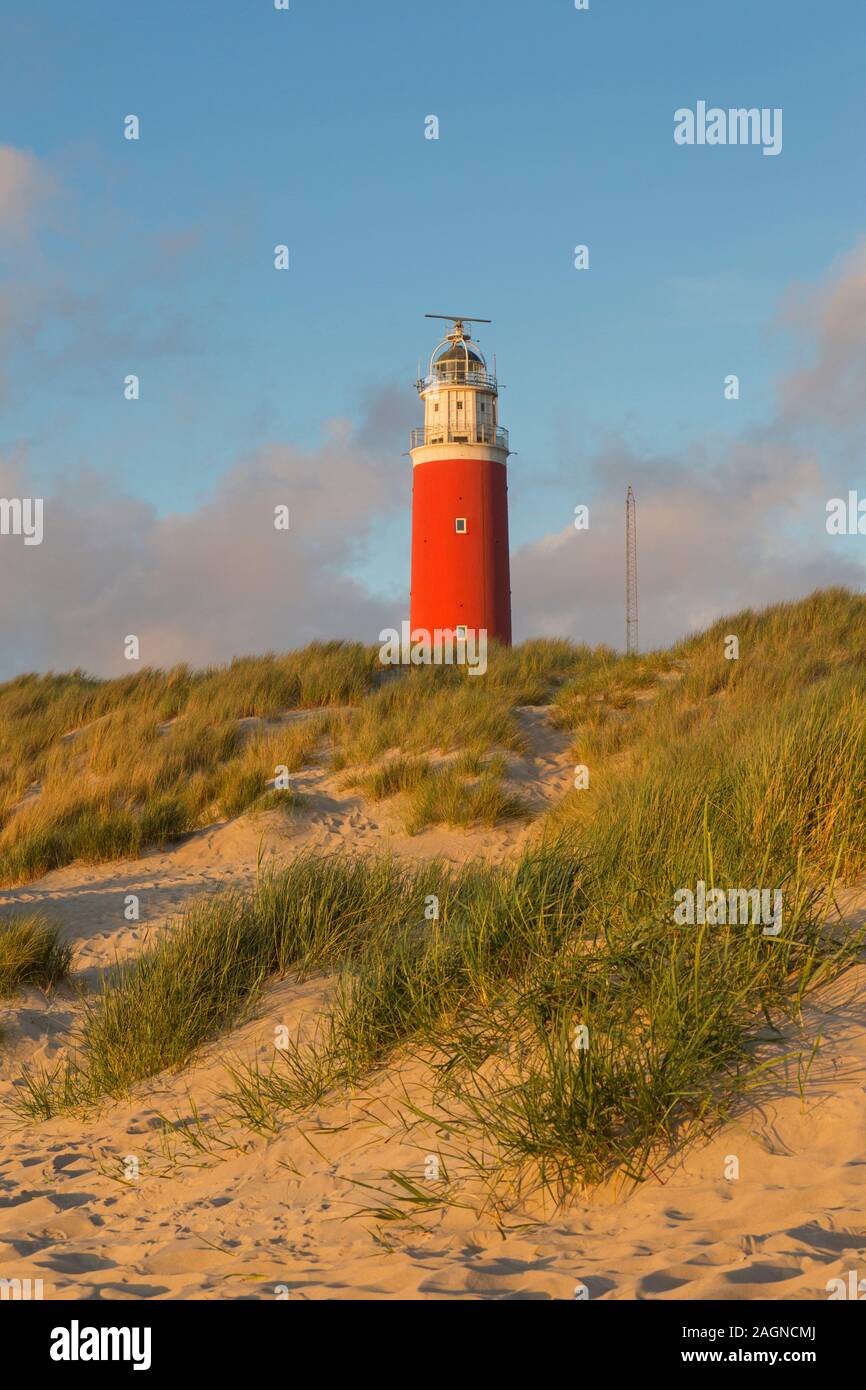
point(459, 434)
point(457, 373)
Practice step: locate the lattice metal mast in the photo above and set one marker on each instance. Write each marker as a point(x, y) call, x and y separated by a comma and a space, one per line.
point(630, 574)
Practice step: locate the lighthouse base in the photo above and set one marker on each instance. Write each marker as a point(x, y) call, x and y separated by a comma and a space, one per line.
point(460, 568)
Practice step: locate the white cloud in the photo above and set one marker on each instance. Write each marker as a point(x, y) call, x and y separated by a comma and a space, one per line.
point(205, 585)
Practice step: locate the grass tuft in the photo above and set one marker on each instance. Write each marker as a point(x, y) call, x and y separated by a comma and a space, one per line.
point(31, 953)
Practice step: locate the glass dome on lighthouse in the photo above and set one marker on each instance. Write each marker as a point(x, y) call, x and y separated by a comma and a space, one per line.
point(458, 360)
point(460, 395)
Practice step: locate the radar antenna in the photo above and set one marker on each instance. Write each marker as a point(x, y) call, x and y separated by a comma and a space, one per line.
point(630, 574)
point(458, 320)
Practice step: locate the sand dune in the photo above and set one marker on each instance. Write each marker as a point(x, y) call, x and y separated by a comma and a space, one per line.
point(283, 1216)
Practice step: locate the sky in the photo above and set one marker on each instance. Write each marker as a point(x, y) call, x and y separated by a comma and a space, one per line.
point(306, 127)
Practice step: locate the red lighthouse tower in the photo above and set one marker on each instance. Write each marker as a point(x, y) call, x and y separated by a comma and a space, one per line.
point(460, 571)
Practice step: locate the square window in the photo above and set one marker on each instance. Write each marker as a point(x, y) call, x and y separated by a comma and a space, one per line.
point(460, 632)
point(459, 405)
point(460, 525)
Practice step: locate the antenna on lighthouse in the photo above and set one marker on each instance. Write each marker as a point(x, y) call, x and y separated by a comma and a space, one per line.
point(458, 320)
point(630, 574)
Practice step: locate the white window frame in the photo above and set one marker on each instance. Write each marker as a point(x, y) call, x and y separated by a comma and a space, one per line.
point(461, 531)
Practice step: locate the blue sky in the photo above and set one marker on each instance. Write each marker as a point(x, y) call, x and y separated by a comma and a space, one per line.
point(307, 127)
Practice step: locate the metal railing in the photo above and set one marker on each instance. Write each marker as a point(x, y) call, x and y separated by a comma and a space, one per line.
point(457, 374)
point(459, 434)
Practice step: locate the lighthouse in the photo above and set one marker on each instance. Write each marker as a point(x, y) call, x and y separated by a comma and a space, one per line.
point(460, 570)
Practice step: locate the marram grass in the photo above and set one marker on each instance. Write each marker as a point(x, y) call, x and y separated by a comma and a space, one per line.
point(95, 770)
point(569, 1024)
point(31, 953)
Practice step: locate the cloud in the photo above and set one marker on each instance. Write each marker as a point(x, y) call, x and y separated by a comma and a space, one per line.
point(730, 533)
point(24, 185)
point(728, 525)
point(205, 585)
point(829, 390)
point(201, 585)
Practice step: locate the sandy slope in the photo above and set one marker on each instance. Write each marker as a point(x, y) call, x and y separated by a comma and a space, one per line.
point(243, 1220)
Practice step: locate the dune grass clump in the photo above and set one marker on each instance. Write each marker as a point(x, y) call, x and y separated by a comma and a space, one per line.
point(531, 673)
point(45, 708)
point(406, 984)
point(427, 708)
point(448, 708)
point(392, 777)
point(201, 977)
point(242, 784)
point(31, 953)
point(126, 783)
point(466, 791)
point(72, 826)
point(610, 681)
point(446, 797)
